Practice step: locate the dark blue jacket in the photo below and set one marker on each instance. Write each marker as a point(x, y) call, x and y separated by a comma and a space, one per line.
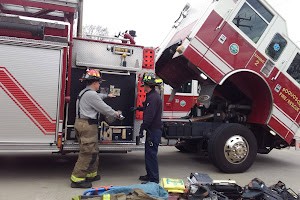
point(152, 111)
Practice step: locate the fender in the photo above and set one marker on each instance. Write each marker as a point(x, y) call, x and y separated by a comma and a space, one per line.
point(230, 74)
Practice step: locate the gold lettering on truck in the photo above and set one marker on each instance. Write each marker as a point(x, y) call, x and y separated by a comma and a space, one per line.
point(121, 49)
point(290, 98)
point(259, 59)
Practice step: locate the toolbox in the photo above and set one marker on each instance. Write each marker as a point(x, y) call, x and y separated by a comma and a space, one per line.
point(186, 129)
point(115, 133)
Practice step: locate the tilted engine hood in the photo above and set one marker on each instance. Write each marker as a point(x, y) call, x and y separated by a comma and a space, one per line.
point(174, 71)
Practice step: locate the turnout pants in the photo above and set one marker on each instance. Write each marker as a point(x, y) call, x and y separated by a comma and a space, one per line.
point(88, 159)
point(151, 161)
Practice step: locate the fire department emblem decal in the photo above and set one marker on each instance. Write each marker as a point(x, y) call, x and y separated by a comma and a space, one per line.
point(276, 47)
point(234, 49)
point(182, 103)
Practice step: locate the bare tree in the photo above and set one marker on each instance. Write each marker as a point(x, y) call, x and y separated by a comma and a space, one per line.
point(91, 31)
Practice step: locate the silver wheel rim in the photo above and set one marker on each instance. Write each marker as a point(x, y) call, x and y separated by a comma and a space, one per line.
point(236, 149)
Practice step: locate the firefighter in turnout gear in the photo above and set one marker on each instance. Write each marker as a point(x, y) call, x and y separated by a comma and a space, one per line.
point(89, 104)
point(152, 111)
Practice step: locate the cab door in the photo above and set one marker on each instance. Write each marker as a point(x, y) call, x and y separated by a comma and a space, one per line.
point(288, 95)
point(183, 101)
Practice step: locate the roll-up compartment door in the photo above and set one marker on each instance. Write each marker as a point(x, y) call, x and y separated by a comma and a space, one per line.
point(29, 93)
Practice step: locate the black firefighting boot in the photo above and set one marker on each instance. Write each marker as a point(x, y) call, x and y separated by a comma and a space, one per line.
point(144, 178)
point(96, 178)
point(81, 184)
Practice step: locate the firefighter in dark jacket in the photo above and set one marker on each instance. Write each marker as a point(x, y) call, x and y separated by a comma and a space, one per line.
point(88, 105)
point(152, 111)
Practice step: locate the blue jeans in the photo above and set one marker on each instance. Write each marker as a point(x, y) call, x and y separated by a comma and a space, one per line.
point(151, 161)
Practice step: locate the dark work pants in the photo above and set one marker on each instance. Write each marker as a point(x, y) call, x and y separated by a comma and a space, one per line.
point(151, 161)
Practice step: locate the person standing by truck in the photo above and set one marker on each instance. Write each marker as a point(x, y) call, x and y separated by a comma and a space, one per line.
point(152, 111)
point(89, 104)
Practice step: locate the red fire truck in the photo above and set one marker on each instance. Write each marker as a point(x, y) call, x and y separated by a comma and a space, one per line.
point(242, 65)
point(40, 67)
point(248, 72)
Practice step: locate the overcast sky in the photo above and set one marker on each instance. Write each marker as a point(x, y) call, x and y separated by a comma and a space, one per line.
point(153, 19)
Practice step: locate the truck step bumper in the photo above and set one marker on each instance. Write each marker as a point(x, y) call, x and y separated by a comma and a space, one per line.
point(27, 147)
point(106, 147)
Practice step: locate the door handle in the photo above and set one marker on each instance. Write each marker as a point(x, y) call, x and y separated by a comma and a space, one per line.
point(225, 18)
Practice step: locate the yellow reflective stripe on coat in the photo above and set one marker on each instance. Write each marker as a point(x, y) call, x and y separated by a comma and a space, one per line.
point(106, 197)
point(92, 175)
point(158, 80)
point(76, 198)
point(75, 179)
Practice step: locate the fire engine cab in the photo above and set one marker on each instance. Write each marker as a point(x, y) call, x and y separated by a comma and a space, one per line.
point(184, 99)
point(249, 77)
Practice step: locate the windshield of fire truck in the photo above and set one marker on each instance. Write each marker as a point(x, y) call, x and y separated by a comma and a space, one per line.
point(186, 87)
point(253, 19)
point(294, 68)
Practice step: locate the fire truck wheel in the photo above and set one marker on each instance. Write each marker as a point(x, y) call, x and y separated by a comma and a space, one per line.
point(182, 149)
point(232, 148)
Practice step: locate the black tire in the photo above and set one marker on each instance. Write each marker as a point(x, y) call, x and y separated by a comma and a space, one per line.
point(244, 142)
point(182, 149)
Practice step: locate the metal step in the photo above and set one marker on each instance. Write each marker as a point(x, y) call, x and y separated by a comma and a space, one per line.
point(67, 3)
point(28, 147)
point(107, 147)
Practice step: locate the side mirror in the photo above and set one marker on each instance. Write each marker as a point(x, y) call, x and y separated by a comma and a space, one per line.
point(186, 7)
point(198, 88)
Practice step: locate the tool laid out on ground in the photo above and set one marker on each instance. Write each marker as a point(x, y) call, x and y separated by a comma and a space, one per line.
point(135, 194)
point(202, 183)
point(146, 191)
point(201, 186)
point(198, 187)
point(257, 189)
point(173, 185)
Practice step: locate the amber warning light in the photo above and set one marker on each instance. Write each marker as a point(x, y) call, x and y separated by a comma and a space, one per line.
point(297, 145)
